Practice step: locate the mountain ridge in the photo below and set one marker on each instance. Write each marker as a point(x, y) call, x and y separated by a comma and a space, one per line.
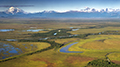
point(14, 12)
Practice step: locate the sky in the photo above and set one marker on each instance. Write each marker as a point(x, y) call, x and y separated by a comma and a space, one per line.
point(58, 5)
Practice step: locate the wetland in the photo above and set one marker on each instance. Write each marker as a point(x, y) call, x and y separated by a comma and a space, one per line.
point(59, 42)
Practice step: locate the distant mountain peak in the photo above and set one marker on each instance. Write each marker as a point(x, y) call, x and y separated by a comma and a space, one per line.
point(14, 10)
point(82, 13)
point(87, 8)
point(11, 8)
point(49, 11)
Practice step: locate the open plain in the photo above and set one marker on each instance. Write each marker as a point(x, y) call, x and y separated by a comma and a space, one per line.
point(37, 42)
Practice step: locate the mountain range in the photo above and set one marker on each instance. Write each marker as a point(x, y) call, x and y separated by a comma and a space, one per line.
point(14, 12)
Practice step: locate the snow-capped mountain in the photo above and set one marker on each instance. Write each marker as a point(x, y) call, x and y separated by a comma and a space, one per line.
point(14, 12)
point(110, 10)
point(48, 12)
point(87, 9)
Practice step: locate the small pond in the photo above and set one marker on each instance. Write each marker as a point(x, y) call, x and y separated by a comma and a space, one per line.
point(11, 39)
point(6, 30)
point(75, 29)
point(33, 30)
point(7, 50)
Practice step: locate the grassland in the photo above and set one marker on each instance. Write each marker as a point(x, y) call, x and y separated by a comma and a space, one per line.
point(30, 46)
point(85, 26)
point(97, 46)
point(52, 58)
point(25, 47)
point(49, 58)
point(95, 30)
point(93, 46)
point(115, 57)
point(64, 41)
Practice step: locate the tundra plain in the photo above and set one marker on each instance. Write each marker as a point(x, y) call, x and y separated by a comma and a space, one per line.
point(97, 38)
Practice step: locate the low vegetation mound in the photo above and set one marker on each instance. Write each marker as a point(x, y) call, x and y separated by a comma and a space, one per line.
point(101, 63)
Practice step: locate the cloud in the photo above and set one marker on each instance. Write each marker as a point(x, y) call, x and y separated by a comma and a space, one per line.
point(16, 5)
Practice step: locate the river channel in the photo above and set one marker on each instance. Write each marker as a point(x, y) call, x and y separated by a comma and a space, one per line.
point(65, 49)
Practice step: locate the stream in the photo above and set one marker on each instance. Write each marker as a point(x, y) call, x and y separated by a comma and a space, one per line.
point(65, 49)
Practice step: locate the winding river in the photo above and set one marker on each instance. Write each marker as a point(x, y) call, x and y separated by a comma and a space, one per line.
point(65, 49)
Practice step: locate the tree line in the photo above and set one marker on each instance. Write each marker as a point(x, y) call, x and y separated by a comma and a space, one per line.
point(60, 32)
point(101, 63)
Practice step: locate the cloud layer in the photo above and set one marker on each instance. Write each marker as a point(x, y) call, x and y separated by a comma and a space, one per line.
point(16, 5)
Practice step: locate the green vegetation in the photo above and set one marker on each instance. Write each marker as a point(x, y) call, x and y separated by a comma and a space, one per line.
point(30, 46)
point(60, 32)
point(98, 45)
point(101, 63)
point(53, 45)
point(95, 37)
point(64, 40)
point(114, 57)
point(25, 47)
point(95, 30)
point(49, 58)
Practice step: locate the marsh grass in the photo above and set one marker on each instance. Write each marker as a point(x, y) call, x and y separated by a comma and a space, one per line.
point(64, 41)
point(49, 58)
point(92, 47)
point(35, 46)
point(115, 56)
point(53, 58)
point(95, 30)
